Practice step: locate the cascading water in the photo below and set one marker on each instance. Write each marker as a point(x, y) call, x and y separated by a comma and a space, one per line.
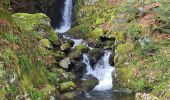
point(103, 71)
point(67, 14)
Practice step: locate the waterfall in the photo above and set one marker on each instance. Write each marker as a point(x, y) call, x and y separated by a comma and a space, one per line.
point(103, 71)
point(67, 14)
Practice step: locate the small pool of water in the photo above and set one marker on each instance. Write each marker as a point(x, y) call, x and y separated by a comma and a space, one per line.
point(105, 95)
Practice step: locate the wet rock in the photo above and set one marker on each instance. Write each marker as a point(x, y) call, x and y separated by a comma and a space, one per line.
point(145, 96)
point(78, 52)
point(89, 83)
point(65, 47)
point(95, 55)
point(65, 63)
point(67, 86)
point(79, 69)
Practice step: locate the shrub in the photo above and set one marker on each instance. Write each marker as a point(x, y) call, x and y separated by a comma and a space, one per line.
point(147, 49)
point(134, 32)
point(163, 17)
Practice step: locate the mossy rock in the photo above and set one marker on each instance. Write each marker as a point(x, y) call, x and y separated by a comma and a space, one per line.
point(69, 96)
point(37, 23)
point(100, 21)
point(78, 51)
point(120, 37)
point(58, 55)
point(31, 22)
point(67, 86)
point(122, 53)
point(95, 55)
point(57, 76)
point(79, 31)
point(89, 84)
point(81, 48)
point(49, 90)
point(95, 34)
point(45, 43)
point(124, 77)
point(65, 47)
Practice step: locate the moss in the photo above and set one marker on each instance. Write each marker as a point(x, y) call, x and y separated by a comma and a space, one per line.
point(69, 95)
point(45, 43)
point(81, 48)
point(122, 53)
point(67, 86)
point(58, 55)
point(120, 37)
point(100, 21)
point(124, 77)
point(80, 30)
point(96, 33)
point(89, 84)
point(65, 47)
point(37, 22)
point(48, 90)
point(31, 21)
point(53, 37)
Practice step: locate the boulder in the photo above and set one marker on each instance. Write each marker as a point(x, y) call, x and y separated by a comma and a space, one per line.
point(65, 63)
point(52, 8)
point(95, 55)
point(78, 52)
point(89, 83)
point(38, 23)
point(67, 86)
point(65, 47)
point(45, 43)
point(57, 76)
point(79, 69)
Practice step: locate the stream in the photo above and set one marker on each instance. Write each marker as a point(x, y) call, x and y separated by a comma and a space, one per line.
point(101, 70)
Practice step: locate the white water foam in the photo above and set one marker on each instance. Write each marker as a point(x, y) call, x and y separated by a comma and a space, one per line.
point(103, 71)
point(77, 42)
point(67, 13)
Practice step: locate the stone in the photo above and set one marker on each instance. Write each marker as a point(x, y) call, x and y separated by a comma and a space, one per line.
point(57, 76)
point(78, 52)
point(95, 55)
point(38, 22)
point(65, 63)
point(45, 43)
point(67, 86)
point(79, 69)
point(65, 47)
point(89, 83)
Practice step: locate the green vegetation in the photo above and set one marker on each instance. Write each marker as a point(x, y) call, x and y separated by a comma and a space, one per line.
point(30, 50)
point(163, 17)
